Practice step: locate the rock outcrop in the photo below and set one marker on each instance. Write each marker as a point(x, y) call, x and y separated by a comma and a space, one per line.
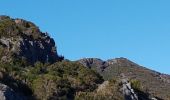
point(100, 64)
point(154, 84)
point(127, 90)
point(24, 40)
point(94, 62)
point(7, 93)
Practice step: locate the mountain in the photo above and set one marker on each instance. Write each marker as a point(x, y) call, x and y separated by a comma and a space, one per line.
point(31, 69)
point(23, 40)
point(152, 82)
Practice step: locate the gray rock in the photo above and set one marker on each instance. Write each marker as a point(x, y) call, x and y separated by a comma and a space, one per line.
point(29, 43)
point(128, 91)
point(7, 93)
point(88, 62)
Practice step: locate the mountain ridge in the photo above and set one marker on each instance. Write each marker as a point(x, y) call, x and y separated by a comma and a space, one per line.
point(24, 40)
point(115, 67)
point(31, 69)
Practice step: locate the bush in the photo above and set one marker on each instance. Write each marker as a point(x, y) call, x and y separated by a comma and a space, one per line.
point(47, 86)
point(81, 77)
point(136, 84)
point(61, 80)
point(8, 28)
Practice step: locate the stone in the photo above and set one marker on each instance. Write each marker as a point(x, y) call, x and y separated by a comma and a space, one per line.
point(29, 42)
point(7, 93)
point(128, 91)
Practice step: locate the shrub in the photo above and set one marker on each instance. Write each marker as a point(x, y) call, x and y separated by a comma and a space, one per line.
point(8, 28)
point(136, 84)
point(81, 77)
point(47, 87)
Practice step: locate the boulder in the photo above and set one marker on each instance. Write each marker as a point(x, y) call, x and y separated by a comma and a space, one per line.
point(7, 93)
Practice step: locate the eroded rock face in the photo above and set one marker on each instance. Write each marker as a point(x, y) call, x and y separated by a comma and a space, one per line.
point(24, 40)
point(7, 93)
point(100, 64)
point(42, 50)
point(128, 91)
point(90, 62)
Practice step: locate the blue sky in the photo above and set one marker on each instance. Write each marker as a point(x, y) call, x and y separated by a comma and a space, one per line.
point(136, 29)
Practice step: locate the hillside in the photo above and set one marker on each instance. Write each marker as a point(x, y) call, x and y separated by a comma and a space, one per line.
point(31, 69)
point(152, 82)
point(23, 40)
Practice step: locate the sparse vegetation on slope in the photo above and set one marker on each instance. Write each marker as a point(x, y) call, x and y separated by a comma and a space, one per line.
point(31, 69)
point(146, 81)
point(61, 80)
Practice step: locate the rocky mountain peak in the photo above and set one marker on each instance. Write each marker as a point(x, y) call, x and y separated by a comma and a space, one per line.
point(24, 40)
point(121, 62)
point(2, 17)
point(88, 62)
point(91, 61)
point(114, 68)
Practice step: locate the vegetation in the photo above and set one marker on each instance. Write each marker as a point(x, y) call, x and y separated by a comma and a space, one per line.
point(136, 84)
point(109, 90)
point(8, 28)
point(61, 80)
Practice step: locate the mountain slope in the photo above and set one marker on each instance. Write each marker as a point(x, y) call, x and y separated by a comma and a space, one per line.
point(31, 69)
point(154, 83)
point(23, 40)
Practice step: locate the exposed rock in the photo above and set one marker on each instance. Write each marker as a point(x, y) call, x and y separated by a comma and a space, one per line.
point(103, 86)
point(24, 40)
point(154, 84)
point(94, 62)
point(121, 62)
point(128, 91)
point(7, 93)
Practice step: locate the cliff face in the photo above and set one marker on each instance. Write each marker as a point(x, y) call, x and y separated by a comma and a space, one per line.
point(7, 93)
point(24, 40)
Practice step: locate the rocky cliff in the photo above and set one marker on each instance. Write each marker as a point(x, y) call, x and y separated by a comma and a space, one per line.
point(23, 39)
point(6, 93)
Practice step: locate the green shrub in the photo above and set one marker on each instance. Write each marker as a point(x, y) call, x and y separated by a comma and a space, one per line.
point(136, 84)
point(47, 87)
point(81, 77)
point(8, 28)
point(57, 81)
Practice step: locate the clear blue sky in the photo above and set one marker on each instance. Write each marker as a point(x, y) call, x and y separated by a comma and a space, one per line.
point(135, 29)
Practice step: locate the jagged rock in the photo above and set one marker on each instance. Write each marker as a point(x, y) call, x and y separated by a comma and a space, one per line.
point(24, 40)
point(7, 93)
point(128, 91)
point(91, 62)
